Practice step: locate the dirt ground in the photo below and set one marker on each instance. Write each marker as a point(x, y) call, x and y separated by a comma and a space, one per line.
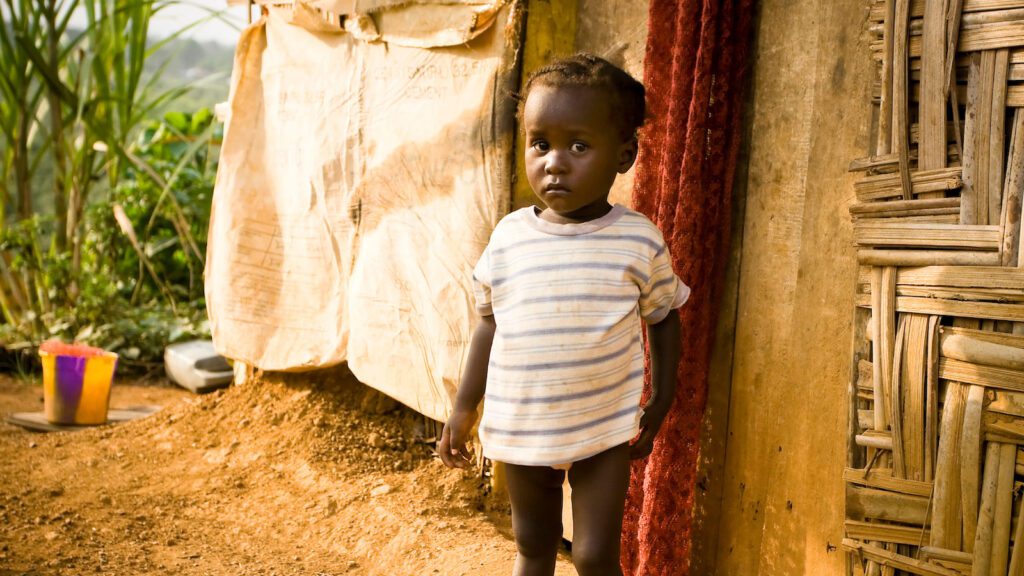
point(286, 475)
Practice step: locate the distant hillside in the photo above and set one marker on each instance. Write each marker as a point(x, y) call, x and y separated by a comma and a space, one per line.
point(206, 66)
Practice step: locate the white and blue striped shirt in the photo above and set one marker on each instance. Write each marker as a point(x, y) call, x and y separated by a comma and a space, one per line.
point(567, 361)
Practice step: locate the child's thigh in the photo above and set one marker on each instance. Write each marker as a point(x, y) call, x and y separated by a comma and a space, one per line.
point(599, 486)
point(536, 496)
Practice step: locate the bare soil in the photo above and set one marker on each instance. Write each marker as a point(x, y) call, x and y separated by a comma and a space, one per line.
point(311, 474)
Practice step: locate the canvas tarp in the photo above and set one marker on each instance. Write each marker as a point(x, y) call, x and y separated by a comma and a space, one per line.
point(358, 184)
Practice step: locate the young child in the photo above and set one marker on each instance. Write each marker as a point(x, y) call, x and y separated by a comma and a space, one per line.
point(562, 293)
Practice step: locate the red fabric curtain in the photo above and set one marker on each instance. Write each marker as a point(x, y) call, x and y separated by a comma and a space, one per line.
point(694, 70)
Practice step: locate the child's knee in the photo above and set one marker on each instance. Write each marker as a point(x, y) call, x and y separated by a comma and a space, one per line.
point(596, 560)
point(539, 542)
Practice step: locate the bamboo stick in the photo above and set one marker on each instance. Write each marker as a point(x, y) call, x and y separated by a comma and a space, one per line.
point(970, 21)
point(865, 375)
point(903, 206)
point(973, 156)
point(1017, 557)
point(1008, 403)
point(932, 109)
point(989, 310)
point(883, 327)
point(865, 420)
point(932, 398)
point(1013, 192)
point(897, 561)
point(872, 233)
point(953, 17)
point(901, 93)
point(883, 478)
point(947, 512)
point(962, 276)
point(868, 503)
point(1002, 338)
point(885, 111)
point(976, 20)
point(913, 378)
point(1015, 96)
point(970, 463)
point(991, 37)
point(933, 553)
point(990, 376)
point(924, 216)
point(997, 134)
point(1002, 295)
point(983, 539)
point(879, 532)
point(977, 351)
point(883, 186)
point(874, 439)
point(860, 379)
point(896, 407)
point(1003, 511)
point(876, 257)
point(917, 7)
point(875, 162)
point(994, 36)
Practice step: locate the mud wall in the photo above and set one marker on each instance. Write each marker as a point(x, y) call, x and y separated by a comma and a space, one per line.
point(617, 31)
point(772, 496)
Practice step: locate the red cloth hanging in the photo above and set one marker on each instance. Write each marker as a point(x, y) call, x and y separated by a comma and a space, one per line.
point(694, 70)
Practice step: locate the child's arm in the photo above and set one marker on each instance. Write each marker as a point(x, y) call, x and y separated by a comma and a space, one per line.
point(663, 339)
point(452, 448)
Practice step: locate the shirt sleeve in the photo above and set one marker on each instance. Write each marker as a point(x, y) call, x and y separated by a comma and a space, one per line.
point(482, 283)
point(664, 290)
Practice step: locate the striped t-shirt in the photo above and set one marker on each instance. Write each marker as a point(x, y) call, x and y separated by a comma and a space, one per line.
point(567, 360)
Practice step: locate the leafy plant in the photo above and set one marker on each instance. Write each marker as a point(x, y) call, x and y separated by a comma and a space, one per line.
point(109, 247)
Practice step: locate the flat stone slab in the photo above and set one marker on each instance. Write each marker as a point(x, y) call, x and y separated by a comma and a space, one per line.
point(36, 421)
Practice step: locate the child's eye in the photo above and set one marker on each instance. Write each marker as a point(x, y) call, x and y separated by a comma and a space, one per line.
point(540, 145)
point(579, 147)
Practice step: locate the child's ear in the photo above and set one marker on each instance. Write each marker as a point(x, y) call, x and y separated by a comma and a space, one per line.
point(627, 154)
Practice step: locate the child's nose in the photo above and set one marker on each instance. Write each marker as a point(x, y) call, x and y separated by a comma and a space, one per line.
point(555, 163)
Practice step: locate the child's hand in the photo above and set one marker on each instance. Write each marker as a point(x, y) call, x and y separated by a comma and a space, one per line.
point(452, 449)
point(654, 414)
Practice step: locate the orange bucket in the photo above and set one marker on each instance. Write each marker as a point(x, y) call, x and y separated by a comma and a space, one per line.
point(76, 383)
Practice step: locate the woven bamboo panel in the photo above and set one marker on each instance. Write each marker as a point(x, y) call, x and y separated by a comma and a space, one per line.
point(936, 461)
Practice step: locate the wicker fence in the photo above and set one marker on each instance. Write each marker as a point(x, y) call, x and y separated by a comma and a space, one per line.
point(936, 459)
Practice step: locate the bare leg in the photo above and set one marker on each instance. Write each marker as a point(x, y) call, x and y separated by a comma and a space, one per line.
point(599, 486)
point(536, 495)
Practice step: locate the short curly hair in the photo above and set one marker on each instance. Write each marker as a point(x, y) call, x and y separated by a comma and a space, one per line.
point(590, 71)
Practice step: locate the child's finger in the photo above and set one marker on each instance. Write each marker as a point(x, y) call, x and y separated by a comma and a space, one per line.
point(446, 448)
point(462, 456)
point(643, 445)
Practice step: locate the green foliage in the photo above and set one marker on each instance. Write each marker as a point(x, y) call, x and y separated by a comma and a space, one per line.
point(132, 298)
point(103, 210)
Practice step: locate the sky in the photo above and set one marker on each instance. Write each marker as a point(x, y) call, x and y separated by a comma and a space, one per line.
point(170, 19)
point(175, 16)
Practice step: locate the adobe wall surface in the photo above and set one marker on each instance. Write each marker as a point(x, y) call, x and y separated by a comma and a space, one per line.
point(617, 31)
point(776, 429)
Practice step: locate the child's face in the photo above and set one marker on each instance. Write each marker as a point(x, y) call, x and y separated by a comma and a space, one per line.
point(573, 149)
